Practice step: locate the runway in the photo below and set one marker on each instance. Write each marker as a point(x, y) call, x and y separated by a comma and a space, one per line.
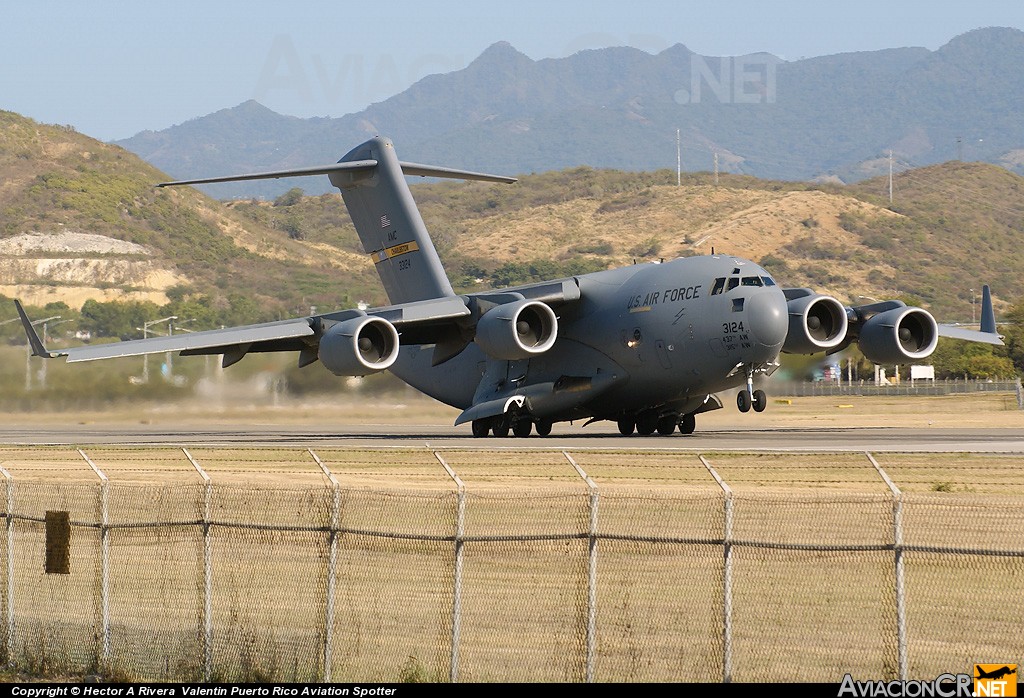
point(572, 437)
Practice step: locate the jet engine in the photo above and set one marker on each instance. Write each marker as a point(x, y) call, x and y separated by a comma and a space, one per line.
point(359, 347)
point(517, 330)
point(816, 323)
point(898, 336)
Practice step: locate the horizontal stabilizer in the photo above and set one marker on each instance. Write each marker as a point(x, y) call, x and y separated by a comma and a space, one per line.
point(357, 165)
point(416, 170)
point(409, 168)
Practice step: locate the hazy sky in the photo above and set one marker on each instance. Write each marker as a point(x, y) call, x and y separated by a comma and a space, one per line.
point(112, 69)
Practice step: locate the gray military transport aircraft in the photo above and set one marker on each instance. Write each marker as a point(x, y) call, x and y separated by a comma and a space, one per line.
point(646, 346)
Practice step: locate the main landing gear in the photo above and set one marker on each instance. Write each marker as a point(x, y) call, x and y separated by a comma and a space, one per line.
point(520, 426)
point(646, 423)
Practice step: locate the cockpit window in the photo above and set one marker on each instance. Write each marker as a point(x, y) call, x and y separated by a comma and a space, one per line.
point(719, 286)
point(751, 281)
point(733, 283)
point(768, 281)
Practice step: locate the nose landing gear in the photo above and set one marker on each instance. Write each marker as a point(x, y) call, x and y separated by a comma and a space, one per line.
point(749, 397)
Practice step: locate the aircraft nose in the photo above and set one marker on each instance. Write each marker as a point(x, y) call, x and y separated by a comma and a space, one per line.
point(769, 322)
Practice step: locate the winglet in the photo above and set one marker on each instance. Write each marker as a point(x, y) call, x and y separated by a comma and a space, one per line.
point(988, 316)
point(33, 339)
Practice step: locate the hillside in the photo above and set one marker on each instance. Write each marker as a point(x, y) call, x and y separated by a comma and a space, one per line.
point(828, 117)
point(951, 228)
point(81, 219)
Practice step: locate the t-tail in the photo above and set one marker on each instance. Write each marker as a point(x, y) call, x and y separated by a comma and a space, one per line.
point(372, 183)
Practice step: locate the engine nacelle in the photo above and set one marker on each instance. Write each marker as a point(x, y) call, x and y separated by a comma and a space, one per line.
point(816, 323)
point(359, 347)
point(517, 330)
point(898, 336)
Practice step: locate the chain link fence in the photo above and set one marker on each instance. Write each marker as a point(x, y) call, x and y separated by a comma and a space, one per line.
point(532, 565)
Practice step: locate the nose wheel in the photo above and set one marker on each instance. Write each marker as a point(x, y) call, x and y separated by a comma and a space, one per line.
point(745, 400)
point(749, 397)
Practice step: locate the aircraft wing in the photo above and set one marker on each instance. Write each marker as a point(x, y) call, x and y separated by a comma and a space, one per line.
point(422, 319)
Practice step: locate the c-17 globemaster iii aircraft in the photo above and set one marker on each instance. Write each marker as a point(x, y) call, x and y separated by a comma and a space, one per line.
point(646, 346)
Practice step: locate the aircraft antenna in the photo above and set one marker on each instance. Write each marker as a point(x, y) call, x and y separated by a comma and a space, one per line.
point(679, 162)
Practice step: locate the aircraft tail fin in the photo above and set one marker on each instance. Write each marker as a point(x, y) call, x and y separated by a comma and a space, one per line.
point(372, 183)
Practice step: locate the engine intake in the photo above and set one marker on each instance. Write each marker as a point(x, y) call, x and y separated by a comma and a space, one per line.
point(898, 336)
point(359, 347)
point(816, 323)
point(517, 330)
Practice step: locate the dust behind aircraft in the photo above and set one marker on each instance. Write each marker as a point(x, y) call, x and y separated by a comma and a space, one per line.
point(646, 346)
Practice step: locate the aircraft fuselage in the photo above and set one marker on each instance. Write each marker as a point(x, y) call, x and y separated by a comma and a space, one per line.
point(664, 334)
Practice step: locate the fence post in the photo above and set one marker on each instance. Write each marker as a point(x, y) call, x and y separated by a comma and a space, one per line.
point(591, 569)
point(207, 571)
point(460, 517)
point(332, 559)
point(9, 482)
point(901, 607)
point(727, 575)
point(104, 558)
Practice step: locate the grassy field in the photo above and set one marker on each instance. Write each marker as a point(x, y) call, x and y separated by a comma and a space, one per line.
point(813, 581)
point(409, 406)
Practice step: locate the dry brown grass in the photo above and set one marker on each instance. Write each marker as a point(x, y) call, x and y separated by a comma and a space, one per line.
point(993, 410)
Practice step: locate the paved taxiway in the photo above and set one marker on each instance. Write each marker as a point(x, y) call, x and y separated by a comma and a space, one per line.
point(564, 437)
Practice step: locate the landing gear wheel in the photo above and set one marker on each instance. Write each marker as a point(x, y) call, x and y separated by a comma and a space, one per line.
point(646, 423)
point(687, 424)
point(760, 401)
point(500, 426)
point(743, 401)
point(627, 425)
point(481, 427)
point(522, 427)
point(544, 427)
point(667, 423)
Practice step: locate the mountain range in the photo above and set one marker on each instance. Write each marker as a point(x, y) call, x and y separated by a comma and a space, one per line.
point(829, 118)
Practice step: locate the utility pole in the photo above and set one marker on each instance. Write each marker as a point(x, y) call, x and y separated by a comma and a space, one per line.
point(716, 169)
point(679, 162)
point(890, 175)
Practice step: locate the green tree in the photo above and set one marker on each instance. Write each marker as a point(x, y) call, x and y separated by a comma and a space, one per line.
point(1014, 335)
point(290, 197)
point(955, 359)
point(117, 318)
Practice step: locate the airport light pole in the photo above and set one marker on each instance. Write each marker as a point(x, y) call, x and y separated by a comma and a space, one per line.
point(42, 369)
point(145, 334)
point(28, 350)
